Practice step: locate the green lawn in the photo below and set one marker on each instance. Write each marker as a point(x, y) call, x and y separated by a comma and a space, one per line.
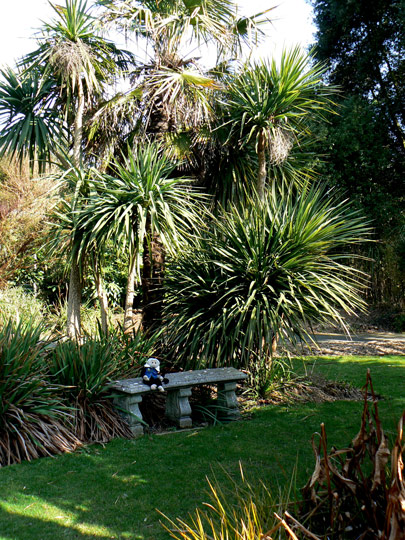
point(114, 491)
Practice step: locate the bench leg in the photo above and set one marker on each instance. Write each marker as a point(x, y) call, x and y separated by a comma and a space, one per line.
point(128, 408)
point(178, 407)
point(227, 399)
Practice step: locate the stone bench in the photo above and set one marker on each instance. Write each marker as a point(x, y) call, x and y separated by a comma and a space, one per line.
point(129, 393)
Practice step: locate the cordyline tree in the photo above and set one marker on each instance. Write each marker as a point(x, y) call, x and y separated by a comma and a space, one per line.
point(139, 201)
point(174, 94)
point(44, 103)
point(267, 106)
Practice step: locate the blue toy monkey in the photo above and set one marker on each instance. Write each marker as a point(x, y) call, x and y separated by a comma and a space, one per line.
point(151, 375)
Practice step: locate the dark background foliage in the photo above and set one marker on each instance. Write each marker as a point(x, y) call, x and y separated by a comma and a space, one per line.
point(363, 44)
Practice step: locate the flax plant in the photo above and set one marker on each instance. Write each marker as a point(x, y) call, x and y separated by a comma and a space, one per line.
point(84, 373)
point(32, 415)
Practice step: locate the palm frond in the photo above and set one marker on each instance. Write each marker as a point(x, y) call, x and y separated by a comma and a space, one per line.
point(31, 122)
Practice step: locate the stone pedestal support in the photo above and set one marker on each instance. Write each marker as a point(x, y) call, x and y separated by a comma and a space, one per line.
point(128, 408)
point(227, 399)
point(178, 407)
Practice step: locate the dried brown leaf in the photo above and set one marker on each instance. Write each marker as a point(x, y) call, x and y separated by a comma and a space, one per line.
point(380, 461)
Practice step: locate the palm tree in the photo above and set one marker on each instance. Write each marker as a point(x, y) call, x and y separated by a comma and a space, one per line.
point(82, 62)
point(31, 122)
point(141, 206)
point(176, 92)
point(269, 106)
point(64, 236)
point(75, 64)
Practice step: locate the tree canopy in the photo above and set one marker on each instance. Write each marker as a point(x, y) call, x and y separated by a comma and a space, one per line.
point(363, 46)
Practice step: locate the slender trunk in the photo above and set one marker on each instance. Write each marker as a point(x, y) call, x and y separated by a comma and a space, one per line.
point(262, 172)
point(78, 126)
point(152, 280)
point(102, 298)
point(129, 298)
point(73, 329)
point(74, 299)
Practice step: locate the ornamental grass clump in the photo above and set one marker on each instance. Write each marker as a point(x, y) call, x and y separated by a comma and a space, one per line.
point(33, 420)
point(260, 274)
point(247, 511)
point(84, 372)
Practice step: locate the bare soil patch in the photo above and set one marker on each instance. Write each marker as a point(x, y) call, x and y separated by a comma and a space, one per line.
point(360, 348)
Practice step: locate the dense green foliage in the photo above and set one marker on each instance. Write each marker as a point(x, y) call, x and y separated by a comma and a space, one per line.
point(53, 397)
point(268, 106)
point(122, 165)
point(364, 48)
point(254, 277)
point(83, 373)
point(31, 412)
point(363, 43)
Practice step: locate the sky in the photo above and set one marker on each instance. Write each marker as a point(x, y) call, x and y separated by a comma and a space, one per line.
point(292, 25)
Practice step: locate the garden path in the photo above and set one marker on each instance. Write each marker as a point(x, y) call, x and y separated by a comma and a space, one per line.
point(365, 344)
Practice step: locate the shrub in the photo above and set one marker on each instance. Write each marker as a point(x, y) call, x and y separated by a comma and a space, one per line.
point(84, 372)
point(17, 304)
point(260, 273)
point(32, 417)
point(358, 491)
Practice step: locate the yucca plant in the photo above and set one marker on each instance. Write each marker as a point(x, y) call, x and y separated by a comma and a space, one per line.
point(32, 416)
point(85, 371)
point(260, 274)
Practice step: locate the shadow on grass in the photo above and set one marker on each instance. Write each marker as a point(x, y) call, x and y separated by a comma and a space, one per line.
point(111, 491)
point(72, 496)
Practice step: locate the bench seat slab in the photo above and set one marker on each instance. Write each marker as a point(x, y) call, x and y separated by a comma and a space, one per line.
point(183, 379)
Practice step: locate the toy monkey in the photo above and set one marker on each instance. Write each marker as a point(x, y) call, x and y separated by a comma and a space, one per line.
point(151, 375)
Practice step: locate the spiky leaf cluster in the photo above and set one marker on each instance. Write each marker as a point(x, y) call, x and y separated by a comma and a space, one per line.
point(255, 275)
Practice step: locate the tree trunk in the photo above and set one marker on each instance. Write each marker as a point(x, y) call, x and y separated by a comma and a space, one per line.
point(102, 298)
point(78, 126)
point(129, 297)
point(262, 172)
point(74, 300)
point(73, 329)
point(152, 280)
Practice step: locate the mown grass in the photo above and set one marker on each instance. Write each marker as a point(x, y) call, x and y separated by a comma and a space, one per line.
point(114, 491)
